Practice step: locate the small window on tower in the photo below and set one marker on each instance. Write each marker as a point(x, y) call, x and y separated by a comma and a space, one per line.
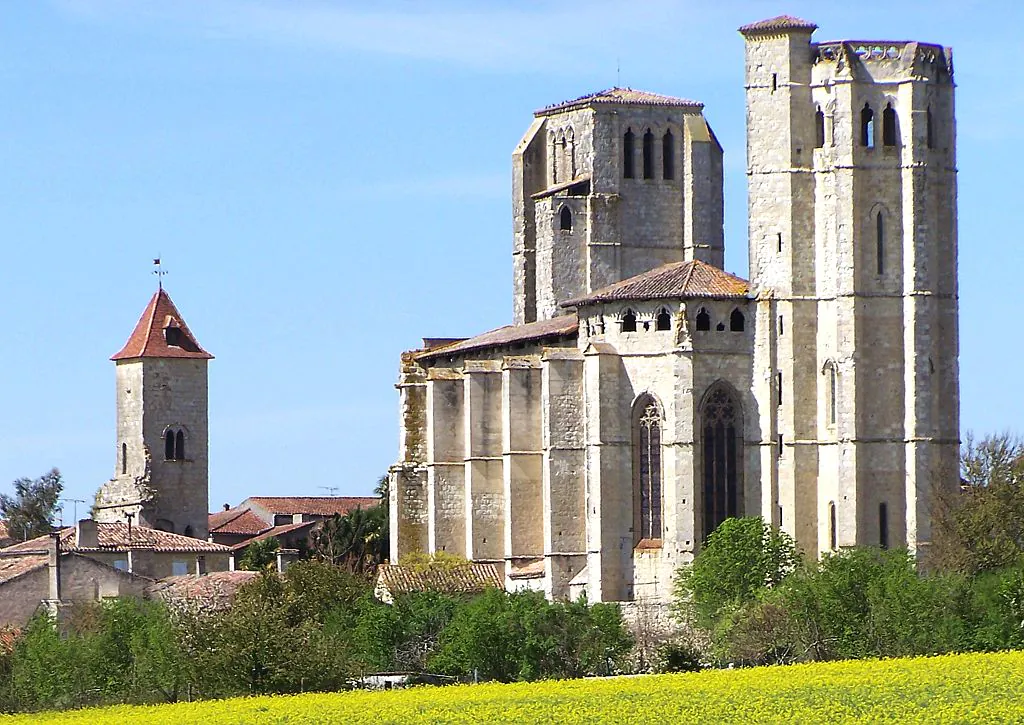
point(173, 335)
point(880, 243)
point(629, 321)
point(628, 142)
point(736, 321)
point(169, 445)
point(889, 126)
point(124, 458)
point(819, 129)
point(883, 525)
point(703, 320)
point(867, 127)
point(668, 156)
point(832, 525)
point(179, 446)
point(565, 219)
point(664, 321)
point(648, 155)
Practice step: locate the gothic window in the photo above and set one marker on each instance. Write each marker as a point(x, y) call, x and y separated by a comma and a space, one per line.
point(174, 445)
point(883, 525)
point(647, 468)
point(830, 370)
point(124, 458)
point(722, 457)
point(648, 155)
point(629, 321)
point(703, 320)
point(628, 142)
point(169, 445)
point(668, 156)
point(889, 126)
point(832, 525)
point(867, 127)
point(930, 128)
point(179, 446)
point(880, 243)
point(664, 320)
point(819, 129)
point(565, 219)
point(736, 321)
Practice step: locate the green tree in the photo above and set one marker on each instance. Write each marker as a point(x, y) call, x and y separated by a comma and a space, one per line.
point(980, 527)
point(31, 510)
point(741, 558)
point(356, 541)
point(260, 555)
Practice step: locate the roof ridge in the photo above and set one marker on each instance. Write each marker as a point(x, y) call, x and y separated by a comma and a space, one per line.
point(689, 274)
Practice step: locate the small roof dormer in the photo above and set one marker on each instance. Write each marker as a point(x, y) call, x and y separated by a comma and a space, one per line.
point(161, 333)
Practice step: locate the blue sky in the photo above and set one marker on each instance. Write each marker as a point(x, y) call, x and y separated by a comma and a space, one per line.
point(329, 182)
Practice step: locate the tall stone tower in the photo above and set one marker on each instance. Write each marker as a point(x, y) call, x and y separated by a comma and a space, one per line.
point(851, 163)
point(161, 476)
point(608, 186)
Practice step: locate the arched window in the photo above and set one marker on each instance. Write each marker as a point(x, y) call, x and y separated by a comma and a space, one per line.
point(832, 525)
point(554, 159)
point(819, 129)
point(830, 402)
point(646, 468)
point(179, 446)
point(664, 320)
point(628, 142)
point(648, 155)
point(889, 126)
point(703, 320)
point(880, 242)
point(668, 156)
point(124, 458)
point(867, 127)
point(736, 321)
point(721, 456)
point(565, 219)
point(629, 321)
point(169, 445)
point(930, 128)
point(883, 525)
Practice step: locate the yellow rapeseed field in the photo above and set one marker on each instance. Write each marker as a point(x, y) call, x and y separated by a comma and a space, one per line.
point(972, 688)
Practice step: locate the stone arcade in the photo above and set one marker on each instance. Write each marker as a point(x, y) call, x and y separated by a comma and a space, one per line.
point(643, 394)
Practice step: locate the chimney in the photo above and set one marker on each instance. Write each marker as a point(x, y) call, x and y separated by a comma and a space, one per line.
point(227, 507)
point(88, 536)
point(53, 549)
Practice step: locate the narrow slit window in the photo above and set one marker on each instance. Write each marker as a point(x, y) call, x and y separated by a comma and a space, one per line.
point(629, 321)
point(778, 241)
point(880, 243)
point(703, 320)
point(819, 129)
point(867, 127)
point(169, 446)
point(648, 155)
point(663, 321)
point(832, 385)
point(736, 321)
point(778, 387)
point(883, 525)
point(778, 451)
point(628, 142)
point(775, 82)
point(889, 126)
point(124, 458)
point(782, 327)
point(179, 446)
point(668, 156)
point(832, 525)
point(565, 219)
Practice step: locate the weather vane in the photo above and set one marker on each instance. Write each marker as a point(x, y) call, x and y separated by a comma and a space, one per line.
point(159, 272)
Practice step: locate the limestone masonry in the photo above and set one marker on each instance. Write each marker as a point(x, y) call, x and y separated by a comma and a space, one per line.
point(643, 395)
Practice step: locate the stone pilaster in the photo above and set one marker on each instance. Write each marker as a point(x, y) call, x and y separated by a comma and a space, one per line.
point(522, 456)
point(446, 461)
point(484, 495)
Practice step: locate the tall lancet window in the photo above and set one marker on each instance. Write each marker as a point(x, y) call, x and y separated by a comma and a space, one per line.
point(628, 142)
point(647, 468)
point(721, 456)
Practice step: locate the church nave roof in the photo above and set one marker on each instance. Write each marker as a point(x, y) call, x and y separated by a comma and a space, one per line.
point(675, 280)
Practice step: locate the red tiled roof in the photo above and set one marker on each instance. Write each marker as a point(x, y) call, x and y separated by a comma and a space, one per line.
point(11, 567)
point(149, 338)
point(115, 537)
point(311, 505)
point(622, 96)
point(7, 637)
point(465, 579)
point(237, 522)
point(781, 22)
point(209, 592)
point(275, 531)
point(561, 326)
point(676, 279)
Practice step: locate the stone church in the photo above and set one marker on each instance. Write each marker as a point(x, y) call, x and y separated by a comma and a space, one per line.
point(642, 394)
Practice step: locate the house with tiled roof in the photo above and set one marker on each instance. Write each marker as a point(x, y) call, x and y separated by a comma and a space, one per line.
point(289, 519)
point(140, 550)
point(468, 579)
point(642, 393)
point(207, 593)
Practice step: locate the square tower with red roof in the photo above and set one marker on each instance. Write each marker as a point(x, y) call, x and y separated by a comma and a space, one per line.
point(161, 477)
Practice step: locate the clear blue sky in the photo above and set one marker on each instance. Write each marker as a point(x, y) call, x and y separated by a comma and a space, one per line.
point(329, 182)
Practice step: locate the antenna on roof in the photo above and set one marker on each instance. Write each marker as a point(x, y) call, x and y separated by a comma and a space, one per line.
point(618, 73)
point(76, 501)
point(159, 272)
point(333, 490)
